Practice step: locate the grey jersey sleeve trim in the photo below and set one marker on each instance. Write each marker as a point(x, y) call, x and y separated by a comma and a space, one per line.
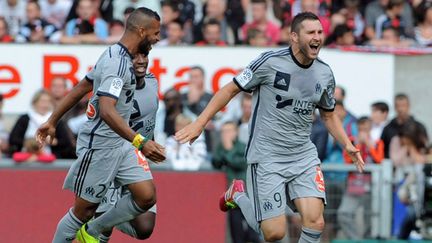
point(89, 79)
point(240, 87)
point(100, 93)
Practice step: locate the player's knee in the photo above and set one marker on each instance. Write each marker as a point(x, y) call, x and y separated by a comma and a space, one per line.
point(143, 234)
point(274, 235)
point(85, 213)
point(316, 223)
point(146, 202)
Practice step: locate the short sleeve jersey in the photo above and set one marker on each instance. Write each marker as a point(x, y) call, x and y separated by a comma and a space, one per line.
point(145, 106)
point(112, 76)
point(285, 95)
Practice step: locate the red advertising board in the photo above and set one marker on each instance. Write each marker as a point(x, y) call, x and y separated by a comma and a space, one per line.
point(32, 202)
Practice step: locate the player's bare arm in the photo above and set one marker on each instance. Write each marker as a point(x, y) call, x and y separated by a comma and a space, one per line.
point(191, 132)
point(109, 114)
point(47, 130)
point(336, 129)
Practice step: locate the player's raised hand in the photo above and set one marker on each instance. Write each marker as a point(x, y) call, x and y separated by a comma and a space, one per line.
point(154, 151)
point(355, 155)
point(189, 133)
point(46, 133)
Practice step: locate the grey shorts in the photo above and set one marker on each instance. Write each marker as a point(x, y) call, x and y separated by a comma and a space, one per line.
point(92, 173)
point(112, 196)
point(273, 186)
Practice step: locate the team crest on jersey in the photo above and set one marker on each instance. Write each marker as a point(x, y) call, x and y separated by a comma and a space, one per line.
point(245, 76)
point(319, 179)
point(318, 88)
point(91, 111)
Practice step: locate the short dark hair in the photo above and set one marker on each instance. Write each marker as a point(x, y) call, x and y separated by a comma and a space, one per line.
point(381, 106)
point(393, 3)
point(201, 69)
point(343, 92)
point(260, 2)
point(401, 96)
point(341, 29)
point(299, 18)
point(211, 22)
point(362, 120)
point(174, 7)
point(135, 19)
point(177, 21)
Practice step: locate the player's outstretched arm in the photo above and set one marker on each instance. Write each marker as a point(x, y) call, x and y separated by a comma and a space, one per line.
point(334, 126)
point(112, 118)
point(48, 128)
point(191, 132)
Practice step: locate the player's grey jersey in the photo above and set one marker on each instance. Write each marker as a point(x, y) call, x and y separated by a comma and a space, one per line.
point(146, 103)
point(285, 95)
point(112, 76)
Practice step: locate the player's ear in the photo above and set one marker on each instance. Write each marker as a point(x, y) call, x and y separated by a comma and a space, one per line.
point(294, 37)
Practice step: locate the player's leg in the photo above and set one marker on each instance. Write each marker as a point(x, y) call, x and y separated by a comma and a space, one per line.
point(135, 173)
point(266, 200)
point(141, 227)
point(307, 191)
point(89, 183)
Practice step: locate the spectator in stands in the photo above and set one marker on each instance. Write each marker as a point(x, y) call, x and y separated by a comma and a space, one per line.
point(341, 36)
point(379, 114)
point(354, 19)
point(391, 19)
point(340, 95)
point(216, 9)
point(87, 28)
point(236, 17)
point(423, 31)
point(212, 34)
point(336, 19)
point(196, 99)
point(170, 12)
point(58, 89)
point(391, 37)
point(402, 107)
point(26, 126)
point(357, 194)
point(336, 180)
point(77, 116)
point(229, 156)
point(285, 34)
point(246, 108)
point(409, 155)
point(185, 156)
point(175, 34)
point(103, 9)
point(13, 11)
point(3, 132)
point(55, 11)
point(33, 153)
point(256, 37)
point(377, 8)
point(168, 111)
point(127, 12)
point(37, 29)
point(121, 5)
point(260, 22)
point(116, 29)
point(4, 32)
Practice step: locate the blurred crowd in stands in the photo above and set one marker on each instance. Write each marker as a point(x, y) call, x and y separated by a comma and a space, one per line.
point(378, 23)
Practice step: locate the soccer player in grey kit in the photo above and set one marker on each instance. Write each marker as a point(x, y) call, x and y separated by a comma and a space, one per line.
point(283, 165)
point(105, 146)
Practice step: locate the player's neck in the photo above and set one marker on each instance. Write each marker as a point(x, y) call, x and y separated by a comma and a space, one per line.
point(299, 57)
point(129, 44)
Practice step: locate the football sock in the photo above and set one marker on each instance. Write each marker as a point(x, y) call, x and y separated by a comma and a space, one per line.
point(310, 236)
point(67, 228)
point(244, 203)
point(126, 209)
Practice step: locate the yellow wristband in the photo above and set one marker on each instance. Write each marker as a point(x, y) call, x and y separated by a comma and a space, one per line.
point(139, 141)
